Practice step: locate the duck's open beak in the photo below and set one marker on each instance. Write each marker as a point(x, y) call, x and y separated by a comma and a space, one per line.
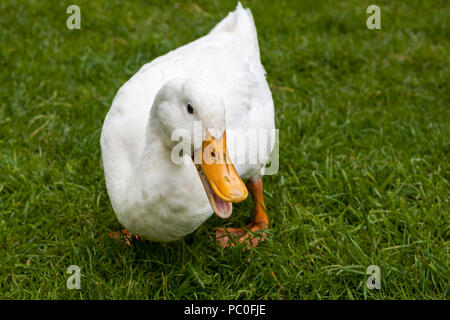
point(218, 175)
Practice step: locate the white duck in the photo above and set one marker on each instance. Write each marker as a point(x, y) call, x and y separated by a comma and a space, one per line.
point(217, 80)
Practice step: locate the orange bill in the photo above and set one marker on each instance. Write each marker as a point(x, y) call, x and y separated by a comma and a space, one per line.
point(219, 177)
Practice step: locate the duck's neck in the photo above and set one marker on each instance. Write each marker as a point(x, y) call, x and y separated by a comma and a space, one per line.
point(156, 154)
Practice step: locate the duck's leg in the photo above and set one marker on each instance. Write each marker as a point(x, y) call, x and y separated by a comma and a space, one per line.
point(228, 236)
point(123, 235)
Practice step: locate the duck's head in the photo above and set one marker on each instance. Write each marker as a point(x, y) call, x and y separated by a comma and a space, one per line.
point(180, 106)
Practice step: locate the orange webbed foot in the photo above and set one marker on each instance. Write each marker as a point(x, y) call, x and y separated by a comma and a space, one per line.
point(124, 236)
point(250, 235)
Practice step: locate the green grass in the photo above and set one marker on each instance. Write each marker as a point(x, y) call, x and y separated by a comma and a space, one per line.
point(364, 146)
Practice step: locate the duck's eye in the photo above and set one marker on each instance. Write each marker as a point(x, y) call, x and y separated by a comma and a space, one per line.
point(190, 109)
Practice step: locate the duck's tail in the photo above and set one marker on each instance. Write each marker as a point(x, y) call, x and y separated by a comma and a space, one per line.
point(240, 22)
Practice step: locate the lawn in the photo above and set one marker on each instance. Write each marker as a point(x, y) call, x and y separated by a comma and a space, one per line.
point(363, 117)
